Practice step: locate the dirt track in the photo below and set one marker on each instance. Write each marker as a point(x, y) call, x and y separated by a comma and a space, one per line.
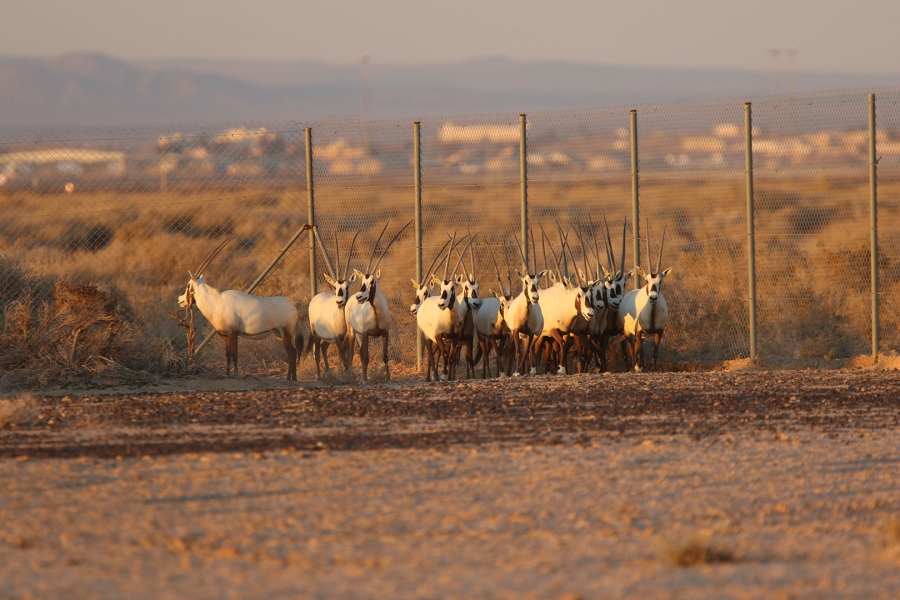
point(539, 487)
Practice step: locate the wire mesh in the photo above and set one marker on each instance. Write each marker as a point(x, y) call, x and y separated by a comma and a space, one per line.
point(136, 209)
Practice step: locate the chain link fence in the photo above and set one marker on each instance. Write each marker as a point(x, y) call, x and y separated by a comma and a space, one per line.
point(136, 209)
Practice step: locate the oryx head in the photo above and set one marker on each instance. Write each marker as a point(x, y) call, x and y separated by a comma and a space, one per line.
point(186, 300)
point(423, 290)
point(468, 282)
point(583, 305)
point(653, 280)
point(339, 279)
point(530, 285)
point(369, 286)
point(447, 285)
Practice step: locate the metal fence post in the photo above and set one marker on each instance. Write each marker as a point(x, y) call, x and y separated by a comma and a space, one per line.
point(523, 171)
point(311, 217)
point(873, 209)
point(635, 210)
point(751, 234)
point(417, 161)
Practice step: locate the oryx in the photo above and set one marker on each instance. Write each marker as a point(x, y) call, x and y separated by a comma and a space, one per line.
point(367, 311)
point(644, 312)
point(234, 314)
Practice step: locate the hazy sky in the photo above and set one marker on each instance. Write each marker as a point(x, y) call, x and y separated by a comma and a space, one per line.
point(829, 35)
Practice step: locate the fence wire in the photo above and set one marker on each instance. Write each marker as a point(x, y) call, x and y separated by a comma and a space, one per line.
point(136, 209)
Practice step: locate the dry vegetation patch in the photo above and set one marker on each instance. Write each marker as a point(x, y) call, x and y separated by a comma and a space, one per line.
point(698, 551)
point(19, 412)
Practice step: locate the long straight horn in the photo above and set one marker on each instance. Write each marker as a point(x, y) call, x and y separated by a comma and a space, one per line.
point(508, 272)
point(521, 252)
point(472, 258)
point(426, 275)
point(350, 256)
point(596, 246)
point(459, 260)
point(449, 252)
point(544, 250)
point(533, 251)
point(325, 252)
point(555, 258)
point(337, 252)
point(584, 254)
point(562, 242)
point(661, 244)
point(496, 266)
point(375, 249)
point(390, 243)
point(649, 254)
point(212, 255)
point(610, 253)
point(624, 229)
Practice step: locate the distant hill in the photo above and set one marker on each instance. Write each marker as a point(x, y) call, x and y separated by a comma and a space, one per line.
point(92, 90)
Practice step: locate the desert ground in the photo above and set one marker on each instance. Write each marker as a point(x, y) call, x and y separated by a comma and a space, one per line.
point(752, 483)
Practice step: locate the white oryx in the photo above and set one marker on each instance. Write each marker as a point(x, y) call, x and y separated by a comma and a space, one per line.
point(524, 316)
point(490, 322)
point(644, 311)
point(468, 301)
point(367, 311)
point(327, 323)
point(561, 306)
point(423, 289)
point(440, 319)
point(236, 314)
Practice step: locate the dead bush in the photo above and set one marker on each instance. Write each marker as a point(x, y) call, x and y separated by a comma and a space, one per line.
point(697, 551)
point(19, 412)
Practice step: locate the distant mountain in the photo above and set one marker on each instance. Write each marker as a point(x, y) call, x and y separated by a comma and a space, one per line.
point(92, 90)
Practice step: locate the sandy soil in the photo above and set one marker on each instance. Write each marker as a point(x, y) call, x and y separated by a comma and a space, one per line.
point(548, 487)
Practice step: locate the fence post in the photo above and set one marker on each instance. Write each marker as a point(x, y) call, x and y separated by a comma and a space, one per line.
point(751, 234)
point(523, 171)
point(311, 217)
point(873, 209)
point(417, 161)
point(635, 210)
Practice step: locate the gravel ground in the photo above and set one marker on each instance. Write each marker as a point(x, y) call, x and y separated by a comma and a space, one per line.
point(548, 487)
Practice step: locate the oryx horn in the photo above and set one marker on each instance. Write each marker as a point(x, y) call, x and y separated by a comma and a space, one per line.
point(649, 254)
point(496, 266)
point(426, 275)
point(472, 257)
point(449, 252)
point(375, 249)
point(624, 229)
point(552, 253)
point(390, 243)
point(661, 244)
point(212, 255)
point(350, 256)
point(459, 260)
point(521, 252)
point(610, 253)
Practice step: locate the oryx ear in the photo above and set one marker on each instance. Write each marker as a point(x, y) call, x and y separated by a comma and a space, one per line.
point(329, 279)
point(519, 274)
point(605, 272)
point(494, 294)
point(582, 275)
point(378, 274)
point(541, 274)
point(639, 271)
point(566, 282)
point(436, 280)
point(191, 275)
point(415, 284)
point(459, 278)
point(666, 272)
point(627, 276)
point(358, 274)
point(353, 277)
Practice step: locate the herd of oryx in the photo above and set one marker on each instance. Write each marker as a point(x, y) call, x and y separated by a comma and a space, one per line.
point(582, 310)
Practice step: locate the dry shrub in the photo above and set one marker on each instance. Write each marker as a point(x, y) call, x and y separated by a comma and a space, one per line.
point(19, 412)
point(75, 329)
point(698, 551)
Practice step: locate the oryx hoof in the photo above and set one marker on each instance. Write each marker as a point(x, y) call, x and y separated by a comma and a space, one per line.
point(638, 369)
point(443, 377)
point(516, 374)
point(561, 371)
point(533, 371)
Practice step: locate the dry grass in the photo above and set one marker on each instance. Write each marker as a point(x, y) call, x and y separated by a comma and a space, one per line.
point(698, 551)
point(19, 412)
point(812, 259)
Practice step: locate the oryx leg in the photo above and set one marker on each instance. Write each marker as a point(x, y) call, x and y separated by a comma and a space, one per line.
point(638, 351)
point(364, 356)
point(562, 350)
point(287, 342)
point(485, 350)
point(317, 347)
point(384, 354)
point(656, 340)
